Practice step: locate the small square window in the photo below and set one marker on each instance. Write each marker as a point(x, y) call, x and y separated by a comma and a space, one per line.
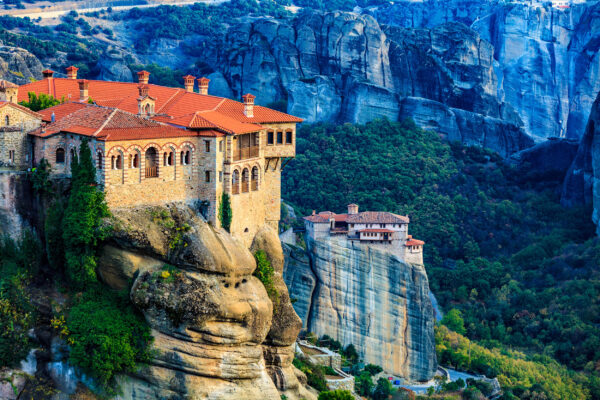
point(221, 146)
point(279, 137)
point(11, 156)
point(220, 176)
point(207, 145)
point(270, 138)
point(207, 176)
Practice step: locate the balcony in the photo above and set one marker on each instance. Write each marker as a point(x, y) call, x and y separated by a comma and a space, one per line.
point(151, 172)
point(245, 153)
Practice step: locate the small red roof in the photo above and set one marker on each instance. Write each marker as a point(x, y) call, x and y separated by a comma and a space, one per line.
point(414, 242)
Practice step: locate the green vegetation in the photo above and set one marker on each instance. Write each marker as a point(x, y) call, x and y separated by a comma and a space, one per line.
point(41, 102)
point(160, 75)
point(336, 395)
point(519, 269)
point(264, 272)
point(315, 374)
point(107, 336)
point(225, 212)
point(18, 262)
point(82, 227)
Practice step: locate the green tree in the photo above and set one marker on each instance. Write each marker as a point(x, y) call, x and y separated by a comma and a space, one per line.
point(225, 212)
point(453, 320)
point(373, 369)
point(82, 226)
point(40, 102)
point(363, 384)
point(351, 353)
point(336, 395)
point(383, 389)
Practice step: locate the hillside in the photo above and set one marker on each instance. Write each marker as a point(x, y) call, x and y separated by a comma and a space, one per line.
point(499, 247)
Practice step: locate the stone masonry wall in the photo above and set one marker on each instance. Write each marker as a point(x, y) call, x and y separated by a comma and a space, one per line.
point(13, 137)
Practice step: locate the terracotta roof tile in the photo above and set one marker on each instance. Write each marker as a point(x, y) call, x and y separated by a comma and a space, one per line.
point(60, 111)
point(414, 242)
point(175, 103)
point(20, 107)
point(377, 217)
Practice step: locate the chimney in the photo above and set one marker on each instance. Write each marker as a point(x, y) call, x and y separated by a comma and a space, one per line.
point(53, 117)
point(143, 77)
point(8, 91)
point(84, 85)
point(72, 72)
point(203, 85)
point(352, 209)
point(248, 105)
point(146, 103)
point(188, 81)
point(314, 212)
point(48, 74)
point(143, 90)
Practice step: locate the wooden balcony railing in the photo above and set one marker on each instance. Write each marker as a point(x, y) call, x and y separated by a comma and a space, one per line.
point(244, 187)
point(151, 172)
point(254, 185)
point(235, 189)
point(245, 153)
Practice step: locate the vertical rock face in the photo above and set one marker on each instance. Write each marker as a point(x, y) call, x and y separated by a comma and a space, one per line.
point(345, 67)
point(18, 65)
point(582, 184)
point(370, 299)
point(549, 64)
point(217, 335)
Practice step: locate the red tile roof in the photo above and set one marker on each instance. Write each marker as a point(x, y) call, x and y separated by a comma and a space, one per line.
point(198, 111)
point(377, 217)
point(60, 111)
point(107, 124)
point(414, 242)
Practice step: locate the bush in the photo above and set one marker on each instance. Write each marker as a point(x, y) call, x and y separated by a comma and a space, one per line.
point(40, 102)
point(265, 272)
point(336, 395)
point(314, 373)
point(107, 335)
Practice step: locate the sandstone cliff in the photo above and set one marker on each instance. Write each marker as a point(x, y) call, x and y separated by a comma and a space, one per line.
point(217, 335)
point(582, 184)
point(368, 298)
point(18, 65)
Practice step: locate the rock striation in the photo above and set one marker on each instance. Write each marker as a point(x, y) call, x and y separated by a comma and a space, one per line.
point(217, 334)
point(582, 183)
point(17, 65)
point(346, 67)
point(368, 298)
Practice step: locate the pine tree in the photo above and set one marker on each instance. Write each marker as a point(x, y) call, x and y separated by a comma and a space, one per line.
point(225, 212)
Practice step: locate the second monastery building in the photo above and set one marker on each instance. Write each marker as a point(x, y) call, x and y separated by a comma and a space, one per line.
point(377, 229)
point(154, 144)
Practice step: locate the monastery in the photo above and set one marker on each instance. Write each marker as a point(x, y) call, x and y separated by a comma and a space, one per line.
point(381, 230)
point(154, 144)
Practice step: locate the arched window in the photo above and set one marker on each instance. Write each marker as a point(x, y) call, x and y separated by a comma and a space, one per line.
point(168, 158)
point(100, 160)
point(188, 157)
point(181, 160)
point(60, 156)
point(135, 161)
point(112, 162)
point(147, 109)
point(235, 182)
point(152, 161)
point(245, 180)
point(7, 120)
point(254, 178)
point(119, 162)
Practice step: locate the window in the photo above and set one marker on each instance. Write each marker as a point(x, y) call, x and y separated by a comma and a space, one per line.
point(288, 137)
point(235, 182)
point(72, 154)
point(279, 137)
point(168, 159)
point(7, 120)
point(270, 138)
point(207, 176)
point(220, 176)
point(117, 162)
point(11, 156)
point(254, 178)
point(245, 180)
point(221, 146)
point(135, 163)
point(184, 158)
point(60, 156)
point(100, 160)
point(207, 146)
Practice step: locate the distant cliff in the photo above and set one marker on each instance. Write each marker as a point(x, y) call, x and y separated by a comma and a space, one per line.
point(582, 184)
point(367, 298)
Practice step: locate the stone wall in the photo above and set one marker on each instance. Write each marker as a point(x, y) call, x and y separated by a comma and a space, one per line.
point(14, 143)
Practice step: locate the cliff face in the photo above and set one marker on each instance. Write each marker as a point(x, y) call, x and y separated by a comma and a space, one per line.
point(217, 335)
point(367, 298)
point(582, 184)
point(345, 67)
point(18, 65)
point(549, 64)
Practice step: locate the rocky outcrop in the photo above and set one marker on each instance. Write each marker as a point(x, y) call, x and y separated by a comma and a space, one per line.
point(113, 67)
point(548, 64)
point(546, 161)
point(345, 67)
point(370, 299)
point(582, 184)
point(300, 279)
point(19, 66)
point(217, 335)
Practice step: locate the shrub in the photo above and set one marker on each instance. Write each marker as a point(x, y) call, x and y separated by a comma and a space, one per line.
point(40, 102)
point(336, 395)
point(107, 335)
point(314, 373)
point(265, 272)
point(225, 212)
